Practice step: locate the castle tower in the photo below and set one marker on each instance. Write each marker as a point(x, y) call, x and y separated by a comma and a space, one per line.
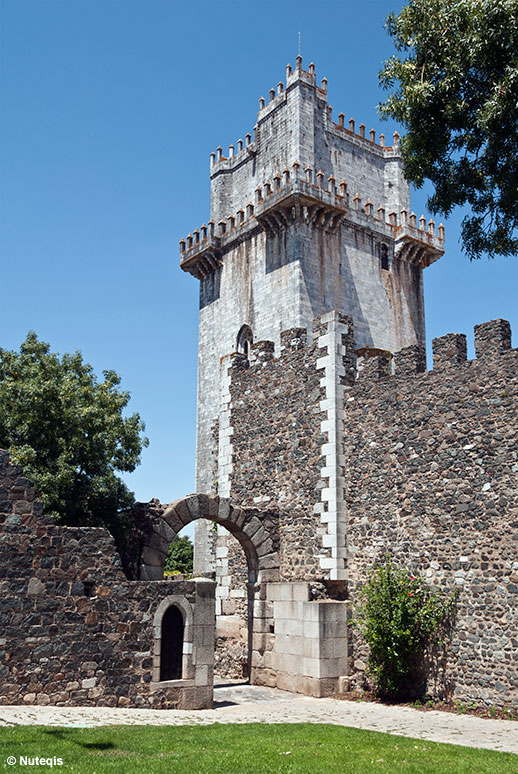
point(309, 216)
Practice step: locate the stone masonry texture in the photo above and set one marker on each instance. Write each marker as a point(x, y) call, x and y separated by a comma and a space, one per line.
point(73, 629)
point(430, 468)
point(432, 479)
point(276, 447)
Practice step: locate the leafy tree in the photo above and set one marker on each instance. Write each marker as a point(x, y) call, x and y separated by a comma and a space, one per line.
point(399, 616)
point(454, 86)
point(180, 556)
point(68, 432)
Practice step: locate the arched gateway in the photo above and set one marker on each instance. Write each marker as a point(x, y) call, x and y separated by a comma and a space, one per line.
point(256, 530)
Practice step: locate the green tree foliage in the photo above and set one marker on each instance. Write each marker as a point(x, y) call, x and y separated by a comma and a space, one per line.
point(180, 556)
point(399, 617)
point(454, 86)
point(68, 432)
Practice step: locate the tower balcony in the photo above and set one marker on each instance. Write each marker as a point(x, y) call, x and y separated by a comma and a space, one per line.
point(418, 244)
point(201, 257)
point(300, 202)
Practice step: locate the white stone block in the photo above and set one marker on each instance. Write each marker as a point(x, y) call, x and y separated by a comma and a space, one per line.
point(201, 675)
point(311, 629)
point(311, 667)
point(273, 592)
point(311, 647)
point(327, 340)
point(229, 626)
point(327, 426)
point(286, 591)
point(327, 564)
point(324, 362)
point(328, 541)
point(288, 627)
point(287, 609)
point(328, 403)
point(300, 591)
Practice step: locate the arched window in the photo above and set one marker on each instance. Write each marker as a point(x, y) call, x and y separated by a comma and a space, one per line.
point(245, 339)
point(384, 257)
point(171, 649)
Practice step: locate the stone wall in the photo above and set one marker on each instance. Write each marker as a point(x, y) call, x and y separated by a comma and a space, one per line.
point(428, 470)
point(75, 631)
point(307, 650)
point(276, 446)
point(432, 478)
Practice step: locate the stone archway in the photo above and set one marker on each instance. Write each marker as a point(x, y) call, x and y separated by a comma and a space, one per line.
point(256, 530)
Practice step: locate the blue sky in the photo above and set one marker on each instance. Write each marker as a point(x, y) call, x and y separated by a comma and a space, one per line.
point(110, 111)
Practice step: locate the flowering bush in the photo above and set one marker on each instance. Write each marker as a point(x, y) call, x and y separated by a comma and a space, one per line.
point(399, 616)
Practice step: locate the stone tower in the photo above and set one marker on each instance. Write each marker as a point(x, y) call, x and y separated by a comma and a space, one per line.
point(308, 216)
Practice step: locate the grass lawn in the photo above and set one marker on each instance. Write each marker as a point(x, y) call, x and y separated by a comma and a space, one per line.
point(241, 749)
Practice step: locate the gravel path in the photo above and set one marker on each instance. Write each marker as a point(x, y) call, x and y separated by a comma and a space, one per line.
point(246, 704)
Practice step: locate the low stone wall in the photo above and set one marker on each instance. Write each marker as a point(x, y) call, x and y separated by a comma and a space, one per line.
point(74, 631)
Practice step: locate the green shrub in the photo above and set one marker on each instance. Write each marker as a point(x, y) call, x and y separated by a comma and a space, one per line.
point(180, 556)
point(400, 616)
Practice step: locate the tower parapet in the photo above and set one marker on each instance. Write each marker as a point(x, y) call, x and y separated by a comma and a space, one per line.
point(292, 199)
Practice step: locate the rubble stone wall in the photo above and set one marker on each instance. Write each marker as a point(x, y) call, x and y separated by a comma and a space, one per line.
point(430, 467)
point(432, 479)
point(276, 420)
point(74, 631)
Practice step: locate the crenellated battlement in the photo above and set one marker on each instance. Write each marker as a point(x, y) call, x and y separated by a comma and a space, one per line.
point(319, 424)
point(492, 340)
point(278, 98)
point(306, 196)
point(291, 122)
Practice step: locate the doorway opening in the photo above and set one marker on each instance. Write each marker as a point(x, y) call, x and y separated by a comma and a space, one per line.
point(171, 650)
point(242, 568)
point(234, 608)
